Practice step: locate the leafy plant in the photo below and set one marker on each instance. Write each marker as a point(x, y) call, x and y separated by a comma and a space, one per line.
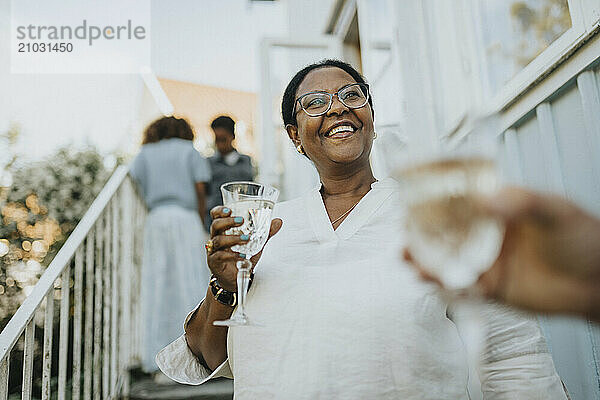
point(38, 212)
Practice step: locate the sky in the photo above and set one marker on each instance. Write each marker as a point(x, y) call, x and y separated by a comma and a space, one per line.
point(209, 42)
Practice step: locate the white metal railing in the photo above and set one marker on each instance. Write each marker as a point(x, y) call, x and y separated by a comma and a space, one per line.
point(95, 277)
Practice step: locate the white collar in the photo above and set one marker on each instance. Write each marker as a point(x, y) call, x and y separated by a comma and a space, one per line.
point(380, 191)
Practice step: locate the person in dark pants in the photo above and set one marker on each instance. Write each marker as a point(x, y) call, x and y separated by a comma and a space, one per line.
point(227, 164)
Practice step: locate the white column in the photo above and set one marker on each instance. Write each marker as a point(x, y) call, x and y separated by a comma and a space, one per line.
point(266, 132)
point(415, 74)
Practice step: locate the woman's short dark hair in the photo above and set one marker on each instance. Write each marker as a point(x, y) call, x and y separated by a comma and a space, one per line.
point(289, 96)
point(224, 122)
point(168, 127)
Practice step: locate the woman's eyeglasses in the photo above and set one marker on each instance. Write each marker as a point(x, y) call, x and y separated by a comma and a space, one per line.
point(318, 103)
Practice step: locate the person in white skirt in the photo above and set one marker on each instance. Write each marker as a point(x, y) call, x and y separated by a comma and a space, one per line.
point(172, 176)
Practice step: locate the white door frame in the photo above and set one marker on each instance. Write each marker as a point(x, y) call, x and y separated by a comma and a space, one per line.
point(268, 151)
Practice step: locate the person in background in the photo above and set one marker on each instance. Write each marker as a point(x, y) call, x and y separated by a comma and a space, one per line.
point(227, 164)
point(172, 176)
point(550, 258)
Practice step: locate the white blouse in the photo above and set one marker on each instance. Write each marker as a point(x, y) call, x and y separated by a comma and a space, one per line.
point(339, 315)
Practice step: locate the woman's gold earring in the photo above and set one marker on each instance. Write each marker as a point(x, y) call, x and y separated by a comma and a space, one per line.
point(300, 149)
point(374, 135)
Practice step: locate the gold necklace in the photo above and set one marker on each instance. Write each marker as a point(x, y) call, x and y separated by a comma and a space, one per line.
point(346, 213)
point(350, 209)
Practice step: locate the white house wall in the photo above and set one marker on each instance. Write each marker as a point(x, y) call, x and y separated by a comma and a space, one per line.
point(551, 139)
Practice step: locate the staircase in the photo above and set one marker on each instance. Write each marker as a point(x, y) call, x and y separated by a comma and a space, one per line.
point(91, 344)
point(146, 389)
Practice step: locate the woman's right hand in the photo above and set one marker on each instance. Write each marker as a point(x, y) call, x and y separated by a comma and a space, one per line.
point(222, 261)
point(550, 258)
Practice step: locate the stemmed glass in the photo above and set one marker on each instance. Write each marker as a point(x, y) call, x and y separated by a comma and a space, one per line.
point(254, 202)
point(448, 234)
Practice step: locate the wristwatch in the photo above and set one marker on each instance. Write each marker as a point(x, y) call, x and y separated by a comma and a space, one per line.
point(224, 296)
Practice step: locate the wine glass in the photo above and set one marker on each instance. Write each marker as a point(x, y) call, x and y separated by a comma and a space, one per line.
point(447, 233)
point(254, 202)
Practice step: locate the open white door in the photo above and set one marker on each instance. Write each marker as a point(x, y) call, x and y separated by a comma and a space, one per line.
point(280, 165)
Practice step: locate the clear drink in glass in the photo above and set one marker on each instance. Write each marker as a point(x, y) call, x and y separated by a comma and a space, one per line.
point(254, 202)
point(447, 232)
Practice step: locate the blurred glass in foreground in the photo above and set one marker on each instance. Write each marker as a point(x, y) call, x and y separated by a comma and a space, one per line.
point(447, 234)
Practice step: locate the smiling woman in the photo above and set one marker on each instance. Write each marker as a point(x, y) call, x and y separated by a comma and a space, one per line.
point(338, 314)
point(336, 135)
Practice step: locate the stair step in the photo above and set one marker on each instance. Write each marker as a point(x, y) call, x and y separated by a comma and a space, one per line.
point(216, 389)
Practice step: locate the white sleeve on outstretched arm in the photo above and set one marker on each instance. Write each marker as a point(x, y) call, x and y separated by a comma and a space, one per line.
point(179, 363)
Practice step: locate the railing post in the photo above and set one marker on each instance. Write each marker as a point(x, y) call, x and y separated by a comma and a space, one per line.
point(63, 345)
point(114, 330)
point(4, 375)
point(96, 368)
point(88, 357)
point(77, 318)
point(137, 266)
point(126, 266)
point(28, 360)
point(138, 270)
point(106, 323)
point(47, 354)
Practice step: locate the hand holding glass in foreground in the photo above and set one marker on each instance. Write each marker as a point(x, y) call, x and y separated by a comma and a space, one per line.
point(222, 259)
point(550, 257)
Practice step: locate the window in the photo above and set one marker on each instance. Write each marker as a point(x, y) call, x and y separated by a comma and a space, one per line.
point(515, 32)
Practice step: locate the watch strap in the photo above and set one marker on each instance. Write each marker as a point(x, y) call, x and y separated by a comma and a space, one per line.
point(224, 296)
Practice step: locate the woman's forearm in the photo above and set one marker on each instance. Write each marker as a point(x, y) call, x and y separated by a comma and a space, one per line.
point(204, 339)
